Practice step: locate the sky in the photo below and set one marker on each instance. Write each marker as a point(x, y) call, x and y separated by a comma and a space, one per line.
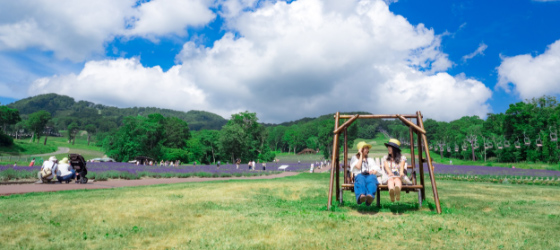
point(284, 60)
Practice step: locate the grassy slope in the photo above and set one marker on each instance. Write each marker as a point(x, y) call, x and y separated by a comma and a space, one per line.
point(53, 143)
point(284, 213)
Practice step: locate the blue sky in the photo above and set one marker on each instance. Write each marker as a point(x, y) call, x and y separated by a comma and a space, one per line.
point(284, 60)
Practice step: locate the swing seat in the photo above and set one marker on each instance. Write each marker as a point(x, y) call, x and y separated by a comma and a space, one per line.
point(414, 187)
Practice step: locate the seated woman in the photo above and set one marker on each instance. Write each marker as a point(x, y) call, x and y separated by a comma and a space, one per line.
point(365, 172)
point(64, 171)
point(394, 167)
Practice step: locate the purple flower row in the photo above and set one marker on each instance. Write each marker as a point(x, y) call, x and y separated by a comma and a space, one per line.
point(99, 167)
point(482, 170)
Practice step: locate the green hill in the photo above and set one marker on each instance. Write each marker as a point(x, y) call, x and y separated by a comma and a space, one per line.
point(65, 110)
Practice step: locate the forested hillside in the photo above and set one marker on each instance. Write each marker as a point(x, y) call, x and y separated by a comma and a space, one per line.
point(65, 110)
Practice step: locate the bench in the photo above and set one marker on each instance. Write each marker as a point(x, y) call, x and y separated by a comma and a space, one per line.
point(414, 187)
point(283, 167)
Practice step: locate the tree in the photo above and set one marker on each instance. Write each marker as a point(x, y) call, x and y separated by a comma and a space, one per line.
point(139, 136)
point(73, 130)
point(91, 130)
point(242, 137)
point(176, 132)
point(209, 143)
point(8, 116)
point(233, 142)
point(37, 122)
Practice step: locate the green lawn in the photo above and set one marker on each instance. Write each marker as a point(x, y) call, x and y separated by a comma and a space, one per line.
point(286, 213)
point(23, 150)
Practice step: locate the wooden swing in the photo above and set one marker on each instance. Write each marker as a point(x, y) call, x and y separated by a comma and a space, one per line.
point(418, 128)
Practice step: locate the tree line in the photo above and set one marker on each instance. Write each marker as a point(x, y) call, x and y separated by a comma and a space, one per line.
point(501, 137)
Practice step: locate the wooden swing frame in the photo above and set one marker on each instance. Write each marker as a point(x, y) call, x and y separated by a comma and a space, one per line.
point(422, 145)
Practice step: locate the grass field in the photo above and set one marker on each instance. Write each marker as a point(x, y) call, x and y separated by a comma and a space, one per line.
point(286, 213)
point(23, 150)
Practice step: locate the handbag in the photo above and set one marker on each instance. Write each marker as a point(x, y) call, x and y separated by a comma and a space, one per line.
point(46, 172)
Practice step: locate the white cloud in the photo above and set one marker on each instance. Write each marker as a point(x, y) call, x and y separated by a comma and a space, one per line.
point(286, 61)
point(164, 17)
point(532, 76)
point(479, 51)
point(78, 30)
point(123, 82)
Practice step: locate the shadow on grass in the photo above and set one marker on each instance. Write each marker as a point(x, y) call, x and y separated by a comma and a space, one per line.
point(396, 208)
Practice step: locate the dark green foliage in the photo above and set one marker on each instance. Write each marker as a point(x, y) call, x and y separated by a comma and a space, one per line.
point(65, 110)
point(242, 137)
point(139, 136)
point(5, 140)
point(37, 122)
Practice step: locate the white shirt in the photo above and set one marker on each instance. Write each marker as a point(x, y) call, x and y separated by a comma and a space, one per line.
point(50, 165)
point(368, 165)
point(63, 169)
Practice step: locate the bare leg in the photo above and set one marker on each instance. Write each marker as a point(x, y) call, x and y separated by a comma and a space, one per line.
point(391, 186)
point(398, 186)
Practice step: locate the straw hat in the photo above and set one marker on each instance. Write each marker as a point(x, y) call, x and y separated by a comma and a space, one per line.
point(363, 144)
point(64, 160)
point(394, 143)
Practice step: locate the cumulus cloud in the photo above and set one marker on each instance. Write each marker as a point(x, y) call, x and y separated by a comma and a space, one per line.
point(164, 17)
point(123, 82)
point(531, 76)
point(77, 30)
point(290, 60)
point(479, 51)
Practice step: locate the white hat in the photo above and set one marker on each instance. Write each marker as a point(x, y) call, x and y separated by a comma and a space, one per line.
point(52, 158)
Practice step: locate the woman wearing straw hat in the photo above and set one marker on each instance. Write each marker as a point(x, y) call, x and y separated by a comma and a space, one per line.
point(394, 167)
point(365, 172)
point(65, 172)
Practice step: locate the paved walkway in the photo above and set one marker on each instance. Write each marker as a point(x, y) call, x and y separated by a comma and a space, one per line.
point(52, 187)
point(61, 150)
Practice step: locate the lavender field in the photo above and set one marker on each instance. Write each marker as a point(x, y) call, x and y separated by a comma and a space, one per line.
point(494, 171)
point(106, 170)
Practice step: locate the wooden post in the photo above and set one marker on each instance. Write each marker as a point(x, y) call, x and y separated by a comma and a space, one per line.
point(432, 177)
point(421, 160)
point(338, 196)
point(412, 160)
point(345, 159)
point(334, 163)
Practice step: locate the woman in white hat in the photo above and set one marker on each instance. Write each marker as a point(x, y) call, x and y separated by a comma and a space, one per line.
point(394, 167)
point(365, 172)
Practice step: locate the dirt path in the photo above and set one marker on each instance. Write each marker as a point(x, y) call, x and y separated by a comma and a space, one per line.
point(29, 188)
point(61, 150)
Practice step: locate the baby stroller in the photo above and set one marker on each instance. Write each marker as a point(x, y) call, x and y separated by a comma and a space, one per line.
point(79, 165)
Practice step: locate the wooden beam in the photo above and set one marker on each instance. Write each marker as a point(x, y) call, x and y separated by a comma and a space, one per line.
point(346, 124)
point(412, 125)
point(334, 162)
point(377, 116)
point(432, 177)
point(421, 162)
point(412, 159)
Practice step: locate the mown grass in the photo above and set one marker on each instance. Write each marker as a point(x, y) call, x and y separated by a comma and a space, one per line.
point(288, 213)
